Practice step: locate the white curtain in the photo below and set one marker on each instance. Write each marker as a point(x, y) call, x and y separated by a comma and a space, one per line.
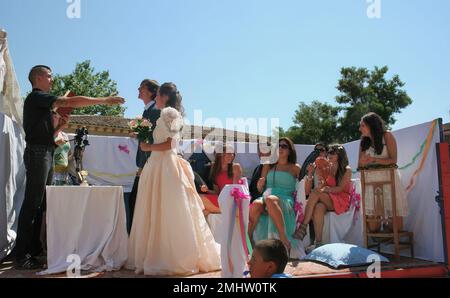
point(12, 181)
point(11, 103)
point(12, 145)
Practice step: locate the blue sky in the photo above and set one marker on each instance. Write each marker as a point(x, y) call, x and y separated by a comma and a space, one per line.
point(240, 58)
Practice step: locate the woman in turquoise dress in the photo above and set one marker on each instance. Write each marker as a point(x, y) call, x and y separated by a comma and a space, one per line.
point(272, 216)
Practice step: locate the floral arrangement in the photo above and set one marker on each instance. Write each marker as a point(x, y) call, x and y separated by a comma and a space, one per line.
point(141, 127)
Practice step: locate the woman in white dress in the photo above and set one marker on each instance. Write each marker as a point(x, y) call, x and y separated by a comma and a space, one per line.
point(170, 235)
point(379, 147)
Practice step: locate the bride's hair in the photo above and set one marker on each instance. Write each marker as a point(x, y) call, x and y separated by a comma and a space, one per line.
point(170, 89)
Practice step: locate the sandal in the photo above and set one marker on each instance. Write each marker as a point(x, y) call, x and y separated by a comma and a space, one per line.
point(301, 232)
point(310, 248)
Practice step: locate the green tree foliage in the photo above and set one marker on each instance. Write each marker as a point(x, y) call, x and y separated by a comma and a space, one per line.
point(313, 123)
point(361, 91)
point(84, 81)
point(364, 91)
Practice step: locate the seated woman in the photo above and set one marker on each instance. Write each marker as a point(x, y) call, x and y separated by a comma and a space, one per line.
point(332, 194)
point(312, 175)
point(320, 149)
point(280, 180)
point(378, 147)
point(223, 171)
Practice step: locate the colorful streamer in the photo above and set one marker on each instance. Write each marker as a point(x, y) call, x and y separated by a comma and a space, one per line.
point(412, 180)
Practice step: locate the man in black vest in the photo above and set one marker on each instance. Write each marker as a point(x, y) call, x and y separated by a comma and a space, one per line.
point(38, 158)
point(147, 93)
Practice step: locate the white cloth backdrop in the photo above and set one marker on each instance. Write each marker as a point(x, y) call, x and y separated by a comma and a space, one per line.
point(10, 101)
point(110, 161)
point(12, 181)
point(12, 143)
point(89, 222)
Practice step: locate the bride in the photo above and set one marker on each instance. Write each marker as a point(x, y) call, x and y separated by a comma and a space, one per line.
point(169, 235)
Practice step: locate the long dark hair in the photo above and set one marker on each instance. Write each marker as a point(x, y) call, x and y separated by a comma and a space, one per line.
point(170, 89)
point(217, 165)
point(342, 161)
point(377, 130)
point(292, 157)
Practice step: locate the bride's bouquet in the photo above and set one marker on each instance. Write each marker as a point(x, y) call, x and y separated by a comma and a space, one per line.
point(141, 128)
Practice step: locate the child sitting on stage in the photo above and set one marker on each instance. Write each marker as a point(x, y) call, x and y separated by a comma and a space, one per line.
point(268, 260)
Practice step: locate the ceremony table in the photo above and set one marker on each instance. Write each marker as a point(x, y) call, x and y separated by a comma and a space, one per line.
point(89, 222)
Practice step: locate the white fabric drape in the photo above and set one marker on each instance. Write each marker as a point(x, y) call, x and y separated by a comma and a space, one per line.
point(110, 160)
point(12, 181)
point(11, 103)
point(88, 222)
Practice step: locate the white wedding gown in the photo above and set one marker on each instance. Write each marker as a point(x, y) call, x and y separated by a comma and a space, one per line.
point(170, 235)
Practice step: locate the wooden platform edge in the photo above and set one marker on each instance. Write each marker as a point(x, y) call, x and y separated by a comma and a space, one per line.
point(433, 271)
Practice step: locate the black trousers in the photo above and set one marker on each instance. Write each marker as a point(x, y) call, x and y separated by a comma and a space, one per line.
point(39, 173)
point(132, 202)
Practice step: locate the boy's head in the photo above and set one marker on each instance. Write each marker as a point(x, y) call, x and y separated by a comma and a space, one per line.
point(269, 257)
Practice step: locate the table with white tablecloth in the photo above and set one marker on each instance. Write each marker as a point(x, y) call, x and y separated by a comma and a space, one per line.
point(88, 221)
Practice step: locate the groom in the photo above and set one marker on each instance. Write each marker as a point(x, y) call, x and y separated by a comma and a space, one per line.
point(147, 93)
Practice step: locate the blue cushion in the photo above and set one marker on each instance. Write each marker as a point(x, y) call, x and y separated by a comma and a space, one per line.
point(343, 255)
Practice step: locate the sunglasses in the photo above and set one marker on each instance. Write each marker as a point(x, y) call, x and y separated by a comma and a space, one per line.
point(321, 149)
point(332, 152)
point(284, 146)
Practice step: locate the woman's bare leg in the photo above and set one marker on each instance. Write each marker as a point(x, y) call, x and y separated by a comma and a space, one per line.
point(318, 219)
point(310, 205)
point(275, 212)
point(256, 209)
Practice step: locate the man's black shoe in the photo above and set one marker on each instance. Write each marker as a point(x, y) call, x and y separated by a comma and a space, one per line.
point(29, 263)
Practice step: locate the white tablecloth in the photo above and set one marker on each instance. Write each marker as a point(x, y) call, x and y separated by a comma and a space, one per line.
point(89, 222)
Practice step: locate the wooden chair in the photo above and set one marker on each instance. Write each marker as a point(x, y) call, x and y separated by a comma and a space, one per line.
point(376, 238)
